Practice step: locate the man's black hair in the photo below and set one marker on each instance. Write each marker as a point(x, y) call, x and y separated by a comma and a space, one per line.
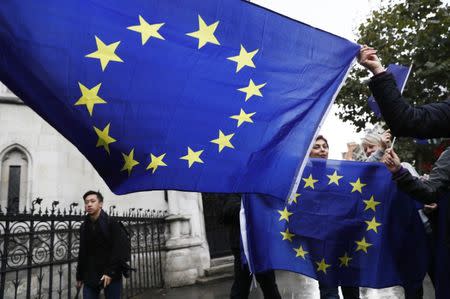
point(97, 193)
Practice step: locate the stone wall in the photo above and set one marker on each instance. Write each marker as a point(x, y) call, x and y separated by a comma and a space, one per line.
point(187, 254)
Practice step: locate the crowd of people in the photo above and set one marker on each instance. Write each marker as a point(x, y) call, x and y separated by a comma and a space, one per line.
point(99, 264)
point(404, 120)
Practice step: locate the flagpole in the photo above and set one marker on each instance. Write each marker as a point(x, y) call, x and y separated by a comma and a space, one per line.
point(406, 78)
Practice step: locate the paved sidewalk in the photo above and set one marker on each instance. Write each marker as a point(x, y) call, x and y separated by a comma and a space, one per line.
point(291, 286)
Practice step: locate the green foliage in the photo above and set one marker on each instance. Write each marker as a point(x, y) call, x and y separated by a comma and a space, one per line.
point(408, 32)
point(413, 31)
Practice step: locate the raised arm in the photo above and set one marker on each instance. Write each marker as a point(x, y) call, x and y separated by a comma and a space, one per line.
point(426, 121)
point(426, 191)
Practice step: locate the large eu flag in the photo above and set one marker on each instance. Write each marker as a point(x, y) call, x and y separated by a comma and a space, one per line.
point(216, 95)
point(347, 225)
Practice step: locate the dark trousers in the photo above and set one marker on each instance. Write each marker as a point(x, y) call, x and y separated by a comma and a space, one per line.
point(417, 293)
point(332, 292)
point(112, 291)
point(414, 293)
point(243, 280)
point(411, 293)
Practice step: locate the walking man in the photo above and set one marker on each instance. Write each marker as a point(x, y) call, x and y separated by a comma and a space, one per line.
point(100, 257)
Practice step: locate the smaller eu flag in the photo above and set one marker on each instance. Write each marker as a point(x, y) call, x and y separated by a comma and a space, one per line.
point(347, 225)
point(214, 96)
point(401, 74)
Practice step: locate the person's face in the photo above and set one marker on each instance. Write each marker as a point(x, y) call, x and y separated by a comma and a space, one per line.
point(92, 205)
point(369, 149)
point(319, 150)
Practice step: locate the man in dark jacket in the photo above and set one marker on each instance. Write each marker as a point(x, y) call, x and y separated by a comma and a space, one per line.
point(100, 254)
point(242, 276)
point(428, 191)
point(426, 121)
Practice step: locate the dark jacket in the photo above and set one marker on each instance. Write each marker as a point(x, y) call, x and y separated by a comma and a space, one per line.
point(231, 210)
point(427, 191)
point(426, 121)
point(100, 251)
point(430, 190)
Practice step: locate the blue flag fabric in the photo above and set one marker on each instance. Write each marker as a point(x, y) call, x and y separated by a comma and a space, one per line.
point(348, 225)
point(428, 141)
point(220, 96)
point(401, 74)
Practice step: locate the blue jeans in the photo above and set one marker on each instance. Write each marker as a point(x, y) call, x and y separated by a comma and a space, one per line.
point(111, 292)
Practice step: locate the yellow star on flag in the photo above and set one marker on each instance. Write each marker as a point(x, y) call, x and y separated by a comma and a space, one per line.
point(243, 117)
point(300, 252)
point(147, 30)
point(363, 245)
point(105, 53)
point(345, 260)
point(252, 90)
point(223, 141)
point(322, 266)
point(103, 138)
point(284, 214)
point(192, 157)
point(296, 195)
point(373, 224)
point(371, 204)
point(89, 97)
point(205, 33)
point(244, 58)
point(156, 162)
point(287, 235)
point(129, 162)
point(334, 178)
point(309, 182)
point(357, 186)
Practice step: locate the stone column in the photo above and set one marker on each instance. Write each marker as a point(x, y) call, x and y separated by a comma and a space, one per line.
point(187, 250)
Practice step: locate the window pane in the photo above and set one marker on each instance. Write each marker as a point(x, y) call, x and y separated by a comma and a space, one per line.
point(14, 189)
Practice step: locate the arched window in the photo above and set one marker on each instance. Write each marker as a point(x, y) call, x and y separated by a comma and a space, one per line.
point(14, 180)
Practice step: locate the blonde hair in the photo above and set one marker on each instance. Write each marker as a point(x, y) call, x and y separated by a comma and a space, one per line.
point(371, 138)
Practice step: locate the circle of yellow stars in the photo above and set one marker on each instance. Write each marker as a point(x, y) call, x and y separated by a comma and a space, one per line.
point(149, 32)
point(361, 245)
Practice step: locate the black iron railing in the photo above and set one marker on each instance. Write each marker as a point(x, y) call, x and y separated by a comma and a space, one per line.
point(39, 249)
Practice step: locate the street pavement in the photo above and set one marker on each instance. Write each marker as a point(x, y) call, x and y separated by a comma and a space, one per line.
point(291, 286)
